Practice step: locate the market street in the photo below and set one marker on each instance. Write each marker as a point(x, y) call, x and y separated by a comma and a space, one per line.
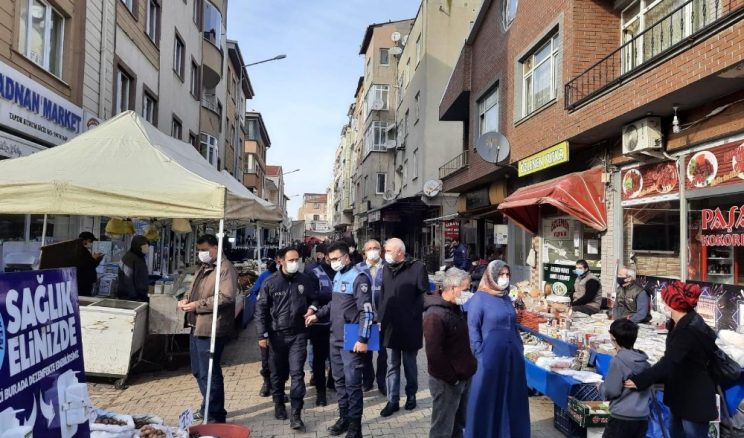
point(169, 393)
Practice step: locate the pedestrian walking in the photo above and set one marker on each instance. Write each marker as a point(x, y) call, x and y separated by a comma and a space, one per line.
point(689, 389)
point(404, 284)
point(351, 304)
point(373, 266)
point(286, 300)
point(198, 303)
point(450, 361)
point(320, 332)
point(265, 390)
point(497, 406)
point(459, 254)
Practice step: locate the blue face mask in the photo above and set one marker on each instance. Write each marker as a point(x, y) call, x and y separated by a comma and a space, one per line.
point(579, 272)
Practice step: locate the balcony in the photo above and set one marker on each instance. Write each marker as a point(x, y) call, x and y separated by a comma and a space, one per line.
point(454, 165)
point(211, 64)
point(673, 33)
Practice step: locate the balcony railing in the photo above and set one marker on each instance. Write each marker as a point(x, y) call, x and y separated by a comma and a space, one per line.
point(684, 24)
point(453, 165)
point(210, 103)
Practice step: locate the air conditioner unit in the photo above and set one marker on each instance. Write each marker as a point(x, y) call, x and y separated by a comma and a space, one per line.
point(642, 135)
point(390, 144)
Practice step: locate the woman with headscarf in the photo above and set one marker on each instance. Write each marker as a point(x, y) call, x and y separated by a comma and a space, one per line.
point(134, 278)
point(498, 406)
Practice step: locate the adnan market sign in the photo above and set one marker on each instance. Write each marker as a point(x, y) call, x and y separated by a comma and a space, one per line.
point(725, 224)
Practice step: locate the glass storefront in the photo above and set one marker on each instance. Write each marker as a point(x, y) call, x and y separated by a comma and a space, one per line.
point(566, 240)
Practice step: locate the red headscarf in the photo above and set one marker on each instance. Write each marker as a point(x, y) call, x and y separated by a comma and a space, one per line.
point(681, 296)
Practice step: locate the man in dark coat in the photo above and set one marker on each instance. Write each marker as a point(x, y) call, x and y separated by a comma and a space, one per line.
point(87, 264)
point(134, 278)
point(404, 284)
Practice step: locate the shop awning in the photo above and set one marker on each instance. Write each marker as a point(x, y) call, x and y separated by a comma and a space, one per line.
point(580, 195)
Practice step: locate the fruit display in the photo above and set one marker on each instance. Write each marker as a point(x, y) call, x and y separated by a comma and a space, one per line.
point(150, 431)
point(110, 421)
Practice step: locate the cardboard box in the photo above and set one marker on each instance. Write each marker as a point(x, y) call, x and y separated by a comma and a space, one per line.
point(587, 413)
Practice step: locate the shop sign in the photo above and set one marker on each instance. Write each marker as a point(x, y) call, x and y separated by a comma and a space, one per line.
point(719, 166)
point(550, 157)
point(14, 147)
point(500, 234)
point(390, 216)
point(726, 223)
point(560, 279)
point(452, 230)
point(373, 216)
point(31, 108)
point(477, 199)
point(652, 180)
point(559, 229)
point(41, 355)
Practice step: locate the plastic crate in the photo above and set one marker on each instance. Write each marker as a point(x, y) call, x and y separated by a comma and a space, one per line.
point(565, 425)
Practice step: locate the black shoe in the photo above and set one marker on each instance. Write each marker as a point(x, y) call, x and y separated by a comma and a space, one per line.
point(320, 400)
point(368, 387)
point(355, 429)
point(280, 411)
point(296, 421)
point(312, 380)
point(410, 403)
point(265, 389)
point(389, 409)
point(341, 426)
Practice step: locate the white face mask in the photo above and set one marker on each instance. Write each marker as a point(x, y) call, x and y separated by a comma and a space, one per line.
point(502, 282)
point(292, 267)
point(337, 265)
point(389, 258)
point(204, 257)
point(373, 255)
point(665, 311)
point(145, 248)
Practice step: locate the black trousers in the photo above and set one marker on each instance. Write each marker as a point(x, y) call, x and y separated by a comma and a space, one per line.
point(287, 358)
point(617, 428)
point(369, 375)
point(320, 338)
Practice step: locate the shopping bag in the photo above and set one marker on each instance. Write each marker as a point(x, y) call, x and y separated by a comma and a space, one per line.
point(351, 335)
point(658, 422)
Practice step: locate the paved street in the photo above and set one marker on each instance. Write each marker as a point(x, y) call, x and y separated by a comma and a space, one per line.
point(168, 393)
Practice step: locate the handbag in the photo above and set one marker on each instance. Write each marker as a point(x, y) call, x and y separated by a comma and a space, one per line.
point(723, 368)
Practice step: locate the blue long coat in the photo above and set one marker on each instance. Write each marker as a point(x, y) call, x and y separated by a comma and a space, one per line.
point(498, 406)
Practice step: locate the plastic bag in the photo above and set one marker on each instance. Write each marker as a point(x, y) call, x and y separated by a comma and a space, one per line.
point(658, 421)
point(181, 226)
point(152, 234)
point(98, 429)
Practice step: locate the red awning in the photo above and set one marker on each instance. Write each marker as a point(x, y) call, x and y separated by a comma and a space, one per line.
point(580, 194)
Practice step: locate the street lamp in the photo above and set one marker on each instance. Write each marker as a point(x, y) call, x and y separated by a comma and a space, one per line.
point(291, 171)
point(276, 58)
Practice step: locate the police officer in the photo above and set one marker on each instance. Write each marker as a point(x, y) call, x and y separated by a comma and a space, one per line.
point(372, 266)
point(320, 332)
point(265, 390)
point(285, 301)
point(351, 304)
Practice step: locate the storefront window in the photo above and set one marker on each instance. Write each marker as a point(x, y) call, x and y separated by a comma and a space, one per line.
point(652, 239)
point(12, 227)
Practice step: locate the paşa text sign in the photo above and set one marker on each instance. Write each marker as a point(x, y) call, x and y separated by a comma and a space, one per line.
point(725, 225)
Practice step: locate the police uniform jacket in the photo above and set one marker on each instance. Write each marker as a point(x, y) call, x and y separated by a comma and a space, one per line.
point(351, 304)
point(283, 302)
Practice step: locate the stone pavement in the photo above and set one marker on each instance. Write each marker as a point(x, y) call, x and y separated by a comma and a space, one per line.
point(168, 393)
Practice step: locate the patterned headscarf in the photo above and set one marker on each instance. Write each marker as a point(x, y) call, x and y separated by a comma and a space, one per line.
point(681, 296)
point(489, 281)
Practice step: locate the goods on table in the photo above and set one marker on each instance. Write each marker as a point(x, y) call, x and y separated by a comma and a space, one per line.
point(143, 420)
point(105, 424)
point(151, 432)
point(589, 413)
point(732, 343)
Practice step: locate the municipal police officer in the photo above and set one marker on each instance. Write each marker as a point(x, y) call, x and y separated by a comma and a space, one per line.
point(285, 301)
point(351, 304)
point(373, 266)
point(320, 332)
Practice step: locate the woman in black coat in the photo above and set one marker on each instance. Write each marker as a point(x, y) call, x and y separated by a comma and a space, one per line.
point(689, 389)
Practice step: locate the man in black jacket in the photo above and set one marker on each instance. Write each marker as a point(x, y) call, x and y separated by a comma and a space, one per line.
point(404, 284)
point(87, 264)
point(134, 278)
point(285, 300)
point(451, 363)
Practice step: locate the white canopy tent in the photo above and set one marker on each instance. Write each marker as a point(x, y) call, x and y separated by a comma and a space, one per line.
point(128, 168)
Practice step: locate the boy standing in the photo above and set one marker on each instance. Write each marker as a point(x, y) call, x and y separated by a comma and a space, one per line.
point(628, 408)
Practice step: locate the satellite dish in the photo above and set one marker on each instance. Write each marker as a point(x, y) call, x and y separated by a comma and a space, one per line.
point(493, 147)
point(395, 51)
point(389, 195)
point(377, 105)
point(404, 41)
point(395, 37)
point(432, 187)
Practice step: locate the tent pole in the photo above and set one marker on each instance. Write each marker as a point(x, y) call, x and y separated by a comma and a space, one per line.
point(258, 245)
point(43, 231)
point(215, 300)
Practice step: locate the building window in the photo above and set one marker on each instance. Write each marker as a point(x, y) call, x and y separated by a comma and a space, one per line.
point(219, 111)
point(316, 206)
point(153, 20)
point(415, 164)
point(488, 112)
point(540, 76)
point(376, 137)
point(377, 98)
point(196, 12)
point(418, 49)
point(208, 148)
point(417, 106)
point(129, 4)
point(193, 140)
point(508, 12)
point(212, 28)
point(176, 128)
point(124, 89)
point(381, 183)
point(42, 34)
point(195, 81)
point(149, 107)
point(235, 88)
point(316, 217)
point(384, 56)
point(252, 129)
point(179, 55)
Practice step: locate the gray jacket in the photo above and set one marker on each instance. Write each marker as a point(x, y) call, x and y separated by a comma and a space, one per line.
point(626, 404)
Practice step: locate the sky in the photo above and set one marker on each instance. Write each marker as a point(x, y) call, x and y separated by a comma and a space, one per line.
point(305, 97)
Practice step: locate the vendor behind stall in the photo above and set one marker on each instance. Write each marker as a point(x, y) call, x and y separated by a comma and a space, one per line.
point(632, 302)
point(87, 263)
point(587, 296)
point(133, 275)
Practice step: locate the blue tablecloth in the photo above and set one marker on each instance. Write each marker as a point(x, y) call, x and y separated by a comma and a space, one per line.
point(555, 386)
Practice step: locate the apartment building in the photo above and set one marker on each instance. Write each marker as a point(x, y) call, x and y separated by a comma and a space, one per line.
point(255, 147)
point(342, 187)
point(314, 212)
point(638, 120)
point(375, 118)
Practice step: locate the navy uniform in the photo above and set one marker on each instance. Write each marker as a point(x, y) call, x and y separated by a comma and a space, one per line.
point(368, 374)
point(351, 304)
point(320, 332)
point(280, 311)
